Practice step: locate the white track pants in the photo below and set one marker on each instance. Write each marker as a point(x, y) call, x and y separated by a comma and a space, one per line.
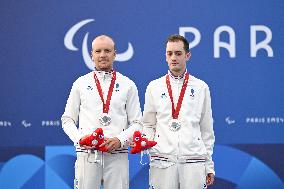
point(95, 169)
point(178, 176)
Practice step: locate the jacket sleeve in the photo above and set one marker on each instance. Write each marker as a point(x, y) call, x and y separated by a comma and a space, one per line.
point(134, 115)
point(207, 132)
point(149, 115)
point(70, 116)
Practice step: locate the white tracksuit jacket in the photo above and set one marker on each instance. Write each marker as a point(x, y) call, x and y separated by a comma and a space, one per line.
point(84, 105)
point(194, 141)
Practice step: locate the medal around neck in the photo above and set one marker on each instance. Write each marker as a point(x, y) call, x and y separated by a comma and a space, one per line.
point(175, 125)
point(105, 119)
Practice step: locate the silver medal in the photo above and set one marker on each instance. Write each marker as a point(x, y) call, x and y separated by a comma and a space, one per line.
point(105, 119)
point(174, 125)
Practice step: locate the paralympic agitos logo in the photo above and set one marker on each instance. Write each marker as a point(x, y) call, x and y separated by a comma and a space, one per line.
point(68, 42)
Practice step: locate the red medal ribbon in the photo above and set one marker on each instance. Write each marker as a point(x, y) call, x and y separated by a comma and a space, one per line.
point(175, 112)
point(110, 90)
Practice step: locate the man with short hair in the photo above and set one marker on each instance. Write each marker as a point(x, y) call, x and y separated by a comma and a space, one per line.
point(103, 99)
point(178, 116)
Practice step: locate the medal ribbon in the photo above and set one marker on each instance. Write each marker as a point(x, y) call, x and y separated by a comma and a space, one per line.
point(175, 112)
point(110, 90)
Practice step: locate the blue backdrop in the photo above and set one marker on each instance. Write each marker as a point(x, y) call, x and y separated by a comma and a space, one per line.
point(237, 48)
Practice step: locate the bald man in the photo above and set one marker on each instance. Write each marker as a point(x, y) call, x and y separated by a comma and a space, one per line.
point(103, 99)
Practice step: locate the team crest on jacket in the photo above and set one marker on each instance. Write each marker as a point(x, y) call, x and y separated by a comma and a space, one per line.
point(117, 87)
point(192, 93)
